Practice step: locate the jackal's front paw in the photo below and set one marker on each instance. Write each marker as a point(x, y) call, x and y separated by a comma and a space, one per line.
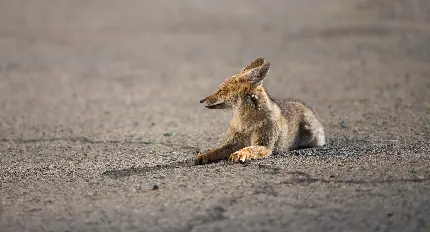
point(201, 159)
point(249, 153)
point(239, 156)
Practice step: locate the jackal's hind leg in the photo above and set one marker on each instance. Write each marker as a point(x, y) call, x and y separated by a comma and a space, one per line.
point(250, 153)
point(311, 132)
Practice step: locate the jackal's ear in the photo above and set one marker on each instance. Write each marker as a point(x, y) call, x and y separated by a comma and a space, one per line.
point(254, 64)
point(257, 75)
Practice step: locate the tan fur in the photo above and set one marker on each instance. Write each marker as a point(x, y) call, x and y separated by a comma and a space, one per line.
point(260, 125)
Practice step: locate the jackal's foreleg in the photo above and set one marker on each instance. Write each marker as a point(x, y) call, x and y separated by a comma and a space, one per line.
point(216, 154)
point(262, 143)
point(231, 145)
point(250, 153)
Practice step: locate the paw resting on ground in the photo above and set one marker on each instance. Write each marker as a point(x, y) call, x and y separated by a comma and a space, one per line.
point(249, 153)
point(201, 159)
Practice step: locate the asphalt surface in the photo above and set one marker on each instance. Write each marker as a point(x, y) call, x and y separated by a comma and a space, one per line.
point(100, 115)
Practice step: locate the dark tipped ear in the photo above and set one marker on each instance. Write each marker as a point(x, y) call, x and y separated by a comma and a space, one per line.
point(254, 64)
point(257, 75)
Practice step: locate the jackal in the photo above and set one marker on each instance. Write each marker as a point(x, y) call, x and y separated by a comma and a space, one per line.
point(260, 125)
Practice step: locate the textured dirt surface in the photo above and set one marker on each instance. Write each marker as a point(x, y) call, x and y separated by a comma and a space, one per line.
point(100, 115)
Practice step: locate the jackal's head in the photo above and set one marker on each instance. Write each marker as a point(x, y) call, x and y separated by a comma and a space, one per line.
point(238, 86)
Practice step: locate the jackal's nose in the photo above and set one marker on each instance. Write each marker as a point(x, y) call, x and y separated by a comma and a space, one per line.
point(203, 100)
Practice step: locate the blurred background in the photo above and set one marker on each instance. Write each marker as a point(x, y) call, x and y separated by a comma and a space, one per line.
point(137, 69)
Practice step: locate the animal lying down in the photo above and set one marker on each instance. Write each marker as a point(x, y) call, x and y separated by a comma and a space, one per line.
point(260, 125)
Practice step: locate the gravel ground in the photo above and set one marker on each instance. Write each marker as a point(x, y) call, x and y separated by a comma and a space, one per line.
point(100, 115)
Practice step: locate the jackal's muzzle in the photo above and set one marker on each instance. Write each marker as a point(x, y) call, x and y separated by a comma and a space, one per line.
point(219, 104)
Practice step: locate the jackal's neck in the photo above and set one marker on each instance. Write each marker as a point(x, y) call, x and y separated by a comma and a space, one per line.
point(256, 106)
